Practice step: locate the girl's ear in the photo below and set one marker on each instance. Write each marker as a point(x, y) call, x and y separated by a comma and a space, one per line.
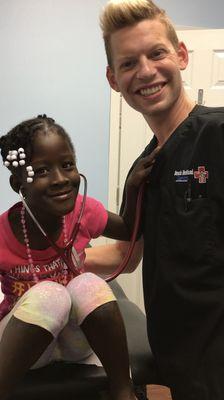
point(15, 183)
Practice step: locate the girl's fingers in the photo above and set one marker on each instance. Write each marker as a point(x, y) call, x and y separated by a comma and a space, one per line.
point(148, 161)
point(152, 156)
point(143, 168)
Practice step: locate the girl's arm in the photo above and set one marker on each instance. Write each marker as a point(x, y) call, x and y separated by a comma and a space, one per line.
point(120, 227)
point(105, 259)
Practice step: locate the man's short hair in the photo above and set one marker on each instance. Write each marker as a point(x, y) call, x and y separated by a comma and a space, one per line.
point(118, 14)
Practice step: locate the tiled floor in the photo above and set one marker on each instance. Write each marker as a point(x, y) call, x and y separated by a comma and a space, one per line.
point(155, 392)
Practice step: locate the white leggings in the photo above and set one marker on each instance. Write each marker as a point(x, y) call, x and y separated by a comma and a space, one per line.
point(61, 310)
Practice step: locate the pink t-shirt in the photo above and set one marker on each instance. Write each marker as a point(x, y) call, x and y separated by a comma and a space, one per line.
point(16, 275)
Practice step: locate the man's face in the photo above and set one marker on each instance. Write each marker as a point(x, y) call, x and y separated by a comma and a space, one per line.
point(146, 67)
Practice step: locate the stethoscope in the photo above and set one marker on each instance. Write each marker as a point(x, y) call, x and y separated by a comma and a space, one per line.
point(69, 254)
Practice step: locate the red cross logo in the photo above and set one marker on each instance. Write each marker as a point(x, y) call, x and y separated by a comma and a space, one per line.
point(201, 175)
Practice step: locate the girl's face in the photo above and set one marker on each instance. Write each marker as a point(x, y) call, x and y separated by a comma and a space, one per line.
point(56, 180)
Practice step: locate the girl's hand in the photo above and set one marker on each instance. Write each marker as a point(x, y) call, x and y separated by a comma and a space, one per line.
point(121, 227)
point(140, 172)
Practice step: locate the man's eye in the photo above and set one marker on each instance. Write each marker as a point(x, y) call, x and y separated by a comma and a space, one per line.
point(127, 64)
point(158, 54)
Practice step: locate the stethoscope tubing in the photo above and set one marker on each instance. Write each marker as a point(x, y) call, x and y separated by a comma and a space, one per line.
point(65, 252)
point(121, 267)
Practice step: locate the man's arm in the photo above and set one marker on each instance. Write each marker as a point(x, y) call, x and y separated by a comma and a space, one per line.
point(106, 258)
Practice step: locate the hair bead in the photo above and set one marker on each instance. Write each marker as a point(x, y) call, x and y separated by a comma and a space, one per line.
point(29, 180)
point(30, 173)
point(16, 158)
point(22, 162)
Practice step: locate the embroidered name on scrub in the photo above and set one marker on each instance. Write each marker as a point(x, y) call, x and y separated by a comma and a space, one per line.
point(200, 174)
point(182, 175)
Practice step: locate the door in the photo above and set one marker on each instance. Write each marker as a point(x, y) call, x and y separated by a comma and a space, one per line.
point(203, 81)
point(204, 77)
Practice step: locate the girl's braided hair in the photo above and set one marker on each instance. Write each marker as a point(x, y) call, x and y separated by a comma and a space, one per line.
point(23, 135)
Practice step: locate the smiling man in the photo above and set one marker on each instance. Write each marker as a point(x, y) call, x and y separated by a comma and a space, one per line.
point(183, 206)
point(145, 59)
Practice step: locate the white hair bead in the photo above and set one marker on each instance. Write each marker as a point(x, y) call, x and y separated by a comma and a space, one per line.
point(22, 162)
point(16, 158)
point(29, 180)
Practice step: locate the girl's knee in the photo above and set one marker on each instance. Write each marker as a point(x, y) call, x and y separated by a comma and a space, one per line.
point(46, 304)
point(88, 292)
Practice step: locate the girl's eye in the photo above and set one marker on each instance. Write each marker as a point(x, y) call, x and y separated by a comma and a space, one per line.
point(69, 165)
point(42, 171)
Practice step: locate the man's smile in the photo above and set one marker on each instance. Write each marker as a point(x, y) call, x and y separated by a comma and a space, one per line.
point(149, 90)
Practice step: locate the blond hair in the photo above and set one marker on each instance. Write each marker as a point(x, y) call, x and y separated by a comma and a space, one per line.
point(118, 14)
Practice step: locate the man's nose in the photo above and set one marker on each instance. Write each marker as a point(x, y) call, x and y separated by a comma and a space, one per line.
point(146, 68)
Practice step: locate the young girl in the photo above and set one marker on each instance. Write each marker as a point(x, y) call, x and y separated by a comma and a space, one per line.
point(48, 313)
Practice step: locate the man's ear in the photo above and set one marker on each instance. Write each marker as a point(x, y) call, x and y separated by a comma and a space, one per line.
point(111, 79)
point(15, 183)
point(183, 56)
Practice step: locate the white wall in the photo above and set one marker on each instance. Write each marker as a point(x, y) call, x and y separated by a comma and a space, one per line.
point(53, 62)
point(195, 13)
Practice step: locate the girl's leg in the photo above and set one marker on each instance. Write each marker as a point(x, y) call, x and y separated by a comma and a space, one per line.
point(37, 318)
point(21, 346)
point(105, 332)
point(101, 321)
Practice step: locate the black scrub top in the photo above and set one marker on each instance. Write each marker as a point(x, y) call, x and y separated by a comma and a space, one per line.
point(183, 262)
